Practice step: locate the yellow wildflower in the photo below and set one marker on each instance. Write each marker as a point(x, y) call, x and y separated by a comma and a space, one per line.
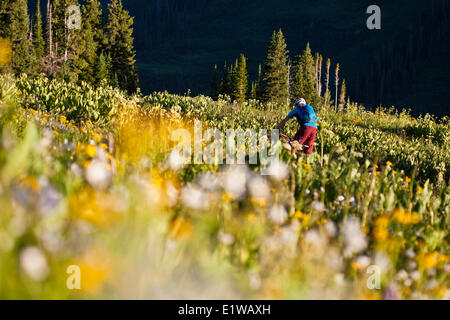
point(405, 217)
point(356, 266)
point(96, 207)
point(95, 270)
point(96, 136)
point(31, 182)
point(5, 51)
point(226, 196)
point(430, 260)
point(381, 231)
point(180, 229)
point(258, 201)
point(91, 150)
point(157, 179)
point(86, 163)
point(303, 218)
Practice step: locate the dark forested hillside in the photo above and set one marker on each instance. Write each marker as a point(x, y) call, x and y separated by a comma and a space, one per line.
point(179, 41)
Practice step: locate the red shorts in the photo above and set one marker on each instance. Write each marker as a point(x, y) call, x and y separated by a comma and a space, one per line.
point(306, 135)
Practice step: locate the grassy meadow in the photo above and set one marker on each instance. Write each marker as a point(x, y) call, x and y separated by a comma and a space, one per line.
point(88, 178)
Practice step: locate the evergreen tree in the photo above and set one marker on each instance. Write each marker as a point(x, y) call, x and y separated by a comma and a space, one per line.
point(253, 90)
point(33, 60)
point(305, 78)
point(215, 83)
point(102, 69)
point(119, 39)
point(233, 80)
point(223, 86)
point(84, 55)
point(38, 34)
point(343, 93)
point(327, 83)
point(241, 79)
point(92, 15)
point(297, 80)
point(86, 44)
point(5, 19)
point(49, 30)
point(18, 33)
point(319, 76)
point(276, 70)
point(227, 81)
point(259, 83)
point(58, 8)
point(336, 83)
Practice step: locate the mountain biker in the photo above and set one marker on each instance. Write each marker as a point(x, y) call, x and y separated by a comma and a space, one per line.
point(307, 119)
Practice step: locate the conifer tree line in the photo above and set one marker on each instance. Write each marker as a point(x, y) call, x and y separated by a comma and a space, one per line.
point(281, 80)
point(395, 64)
point(100, 51)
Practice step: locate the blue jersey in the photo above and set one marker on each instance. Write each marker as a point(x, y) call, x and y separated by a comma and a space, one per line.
point(305, 116)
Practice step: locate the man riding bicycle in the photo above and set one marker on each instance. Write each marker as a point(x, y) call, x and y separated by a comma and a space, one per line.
point(307, 119)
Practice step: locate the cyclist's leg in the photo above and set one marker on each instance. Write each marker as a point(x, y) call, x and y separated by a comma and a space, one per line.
point(309, 141)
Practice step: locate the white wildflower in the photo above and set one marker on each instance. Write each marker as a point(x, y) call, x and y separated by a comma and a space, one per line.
point(363, 261)
point(235, 180)
point(415, 275)
point(330, 228)
point(34, 263)
point(382, 261)
point(410, 253)
point(289, 237)
point(278, 215)
point(447, 267)
point(408, 282)
point(194, 198)
point(258, 187)
point(210, 182)
point(176, 160)
point(98, 175)
point(172, 194)
point(339, 279)
point(411, 265)
point(313, 237)
point(318, 206)
point(225, 238)
point(75, 168)
point(334, 259)
point(401, 275)
point(431, 284)
point(278, 170)
point(254, 280)
point(354, 239)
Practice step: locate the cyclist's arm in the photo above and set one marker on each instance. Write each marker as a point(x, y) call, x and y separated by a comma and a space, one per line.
point(283, 123)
